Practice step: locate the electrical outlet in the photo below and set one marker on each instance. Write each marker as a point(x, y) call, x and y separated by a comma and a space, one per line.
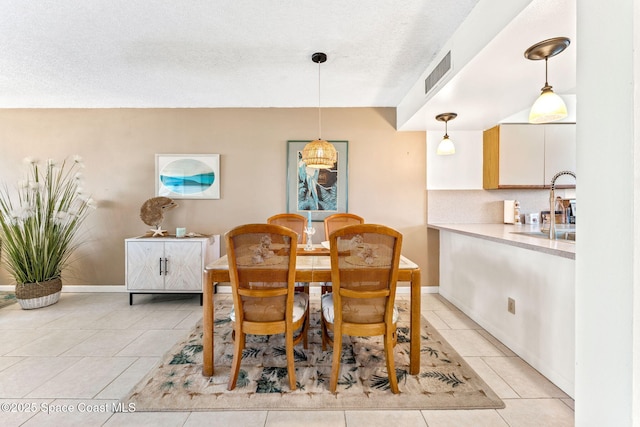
point(511, 305)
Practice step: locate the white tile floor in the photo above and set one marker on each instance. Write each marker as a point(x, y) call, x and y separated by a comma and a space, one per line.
point(80, 356)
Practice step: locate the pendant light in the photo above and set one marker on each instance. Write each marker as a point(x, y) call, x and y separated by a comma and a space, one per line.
point(549, 107)
point(446, 145)
point(319, 154)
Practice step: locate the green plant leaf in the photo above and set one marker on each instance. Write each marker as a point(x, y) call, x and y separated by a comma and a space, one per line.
point(40, 220)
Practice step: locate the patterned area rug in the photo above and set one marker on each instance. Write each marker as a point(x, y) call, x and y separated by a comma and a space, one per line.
point(445, 380)
point(7, 298)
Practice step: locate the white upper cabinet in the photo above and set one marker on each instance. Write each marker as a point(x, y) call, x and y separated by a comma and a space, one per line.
point(521, 155)
point(527, 156)
point(559, 153)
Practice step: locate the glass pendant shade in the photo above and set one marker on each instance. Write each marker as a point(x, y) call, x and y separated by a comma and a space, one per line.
point(446, 147)
point(549, 107)
point(319, 154)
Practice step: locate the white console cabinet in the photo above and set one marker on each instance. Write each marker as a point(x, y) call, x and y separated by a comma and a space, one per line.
point(168, 264)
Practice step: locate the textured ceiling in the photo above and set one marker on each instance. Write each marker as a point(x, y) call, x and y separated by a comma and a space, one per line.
point(231, 53)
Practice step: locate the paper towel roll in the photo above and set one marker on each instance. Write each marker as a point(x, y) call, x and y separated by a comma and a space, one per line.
point(509, 209)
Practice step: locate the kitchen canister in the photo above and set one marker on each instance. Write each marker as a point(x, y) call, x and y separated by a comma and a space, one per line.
point(532, 218)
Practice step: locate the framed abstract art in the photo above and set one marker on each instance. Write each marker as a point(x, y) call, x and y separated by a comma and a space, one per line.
point(188, 176)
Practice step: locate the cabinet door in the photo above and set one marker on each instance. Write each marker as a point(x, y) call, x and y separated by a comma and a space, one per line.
point(521, 155)
point(560, 153)
point(184, 266)
point(145, 262)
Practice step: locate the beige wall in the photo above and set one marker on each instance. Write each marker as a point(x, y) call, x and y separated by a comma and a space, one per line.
point(386, 169)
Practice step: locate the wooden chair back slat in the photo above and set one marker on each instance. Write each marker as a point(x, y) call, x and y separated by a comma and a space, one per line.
point(293, 221)
point(339, 220)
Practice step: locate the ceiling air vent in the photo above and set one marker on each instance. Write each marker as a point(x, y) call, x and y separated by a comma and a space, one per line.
point(441, 69)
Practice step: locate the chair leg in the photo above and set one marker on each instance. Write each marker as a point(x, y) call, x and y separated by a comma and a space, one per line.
point(388, 354)
point(305, 331)
point(237, 357)
point(324, 332)
point(335, 364)
point(326, 338)
point(305, 328)
point(291, 369)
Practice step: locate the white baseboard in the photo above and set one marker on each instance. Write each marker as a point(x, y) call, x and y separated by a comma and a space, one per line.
point(78, 288)
point(94, 288)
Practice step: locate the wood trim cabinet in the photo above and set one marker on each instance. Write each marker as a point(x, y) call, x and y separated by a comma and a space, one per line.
point(527, 156)
point(168, 264)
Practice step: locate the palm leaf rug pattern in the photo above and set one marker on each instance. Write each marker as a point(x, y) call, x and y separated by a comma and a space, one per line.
point(445, 380)
point(7, 298)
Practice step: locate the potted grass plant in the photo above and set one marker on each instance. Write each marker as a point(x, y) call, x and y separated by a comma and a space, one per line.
point(39, 222)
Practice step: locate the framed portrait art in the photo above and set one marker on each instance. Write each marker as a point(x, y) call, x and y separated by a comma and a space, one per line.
point(322, 192)
point(188, 176)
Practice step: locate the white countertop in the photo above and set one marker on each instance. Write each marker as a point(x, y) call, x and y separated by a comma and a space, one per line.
point(504, 233)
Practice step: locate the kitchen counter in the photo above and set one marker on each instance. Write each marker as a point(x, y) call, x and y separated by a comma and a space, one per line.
point(504, 233)
point(519, 288)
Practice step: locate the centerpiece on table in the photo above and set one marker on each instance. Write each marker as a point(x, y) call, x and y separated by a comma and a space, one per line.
point(39, 222)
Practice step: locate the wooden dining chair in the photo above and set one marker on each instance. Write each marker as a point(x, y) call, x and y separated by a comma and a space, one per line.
point(339, 220)
point(364, 272)
point(262, 265)
point(331, 224)
point(296, 222)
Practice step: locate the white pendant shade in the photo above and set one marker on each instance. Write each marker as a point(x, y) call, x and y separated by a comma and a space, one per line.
point(446, 147)
point(549, 107)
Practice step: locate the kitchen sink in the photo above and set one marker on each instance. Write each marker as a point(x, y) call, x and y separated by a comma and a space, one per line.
point(566, 235)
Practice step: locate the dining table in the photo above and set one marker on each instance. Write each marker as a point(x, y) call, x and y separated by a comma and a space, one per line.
point(312, 266)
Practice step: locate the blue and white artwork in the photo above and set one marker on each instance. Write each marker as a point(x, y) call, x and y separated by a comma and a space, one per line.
point(317, 192)
point(317, 188)
point(188, 176)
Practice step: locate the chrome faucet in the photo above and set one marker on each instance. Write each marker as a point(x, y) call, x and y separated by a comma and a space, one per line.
point(552, 203)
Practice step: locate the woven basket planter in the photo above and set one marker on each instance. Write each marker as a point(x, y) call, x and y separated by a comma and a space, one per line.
point(41, 294)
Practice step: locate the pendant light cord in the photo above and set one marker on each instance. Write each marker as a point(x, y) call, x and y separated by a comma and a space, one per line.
point(319, 109)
